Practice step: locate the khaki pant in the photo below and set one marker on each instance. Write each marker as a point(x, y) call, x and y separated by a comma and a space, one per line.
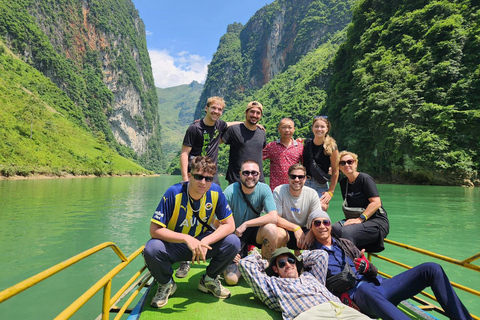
point(332, 310)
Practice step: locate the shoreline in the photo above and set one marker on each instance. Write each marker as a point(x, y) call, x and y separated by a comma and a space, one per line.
point(466, 184)
point(71, 176)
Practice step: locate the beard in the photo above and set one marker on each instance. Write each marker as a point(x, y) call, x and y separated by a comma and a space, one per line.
point(251, 183)
point(252, 121)
point(296, 187)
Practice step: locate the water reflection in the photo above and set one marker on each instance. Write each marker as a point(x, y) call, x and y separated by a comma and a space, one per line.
point(46, 221)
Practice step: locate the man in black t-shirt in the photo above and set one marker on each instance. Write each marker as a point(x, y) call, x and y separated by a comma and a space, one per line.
point(246, 141)
point(203, 137)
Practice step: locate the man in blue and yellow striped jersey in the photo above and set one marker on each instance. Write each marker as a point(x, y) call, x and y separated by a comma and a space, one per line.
point(181, 231)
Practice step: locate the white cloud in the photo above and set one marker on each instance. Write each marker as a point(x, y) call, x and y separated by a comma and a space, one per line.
point(148, 33)
point(170, 71)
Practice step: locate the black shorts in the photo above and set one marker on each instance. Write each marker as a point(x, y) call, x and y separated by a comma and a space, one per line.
point(292, 241)
point(249, 237)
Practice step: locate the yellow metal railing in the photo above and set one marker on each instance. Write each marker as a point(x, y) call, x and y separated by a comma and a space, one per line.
point(105, 282)
point(467, 263)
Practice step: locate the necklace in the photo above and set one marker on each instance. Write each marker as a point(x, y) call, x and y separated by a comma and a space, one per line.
point(191, 201)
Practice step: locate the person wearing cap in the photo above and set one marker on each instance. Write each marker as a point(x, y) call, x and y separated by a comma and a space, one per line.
point(294, 285)
point(294, 202)
point(202, 138)
point(246, 142)
point(375, 296)
point(283, 153)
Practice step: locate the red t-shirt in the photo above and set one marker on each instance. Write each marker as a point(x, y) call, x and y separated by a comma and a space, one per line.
point(281, 158)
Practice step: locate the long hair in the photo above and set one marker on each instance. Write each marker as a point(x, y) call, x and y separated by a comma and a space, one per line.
point(329, 144)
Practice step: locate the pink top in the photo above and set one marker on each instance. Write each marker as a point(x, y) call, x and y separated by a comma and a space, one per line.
point(281, 158)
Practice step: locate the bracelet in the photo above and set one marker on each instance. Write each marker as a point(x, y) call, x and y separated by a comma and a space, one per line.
point(330, 193)
point(364, 217)
point(297, 228)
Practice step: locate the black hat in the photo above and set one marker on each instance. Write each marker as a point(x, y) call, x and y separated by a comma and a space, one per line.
point(278, 252)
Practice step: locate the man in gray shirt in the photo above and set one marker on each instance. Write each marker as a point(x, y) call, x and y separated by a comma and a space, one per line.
point(294, 203)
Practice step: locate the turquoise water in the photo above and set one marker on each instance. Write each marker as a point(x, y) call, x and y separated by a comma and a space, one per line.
point(44, 222)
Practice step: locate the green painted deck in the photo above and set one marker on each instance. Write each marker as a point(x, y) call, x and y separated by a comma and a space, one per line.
point(190, 303)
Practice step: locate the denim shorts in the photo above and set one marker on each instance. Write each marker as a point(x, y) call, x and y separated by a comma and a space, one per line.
point(317, 186)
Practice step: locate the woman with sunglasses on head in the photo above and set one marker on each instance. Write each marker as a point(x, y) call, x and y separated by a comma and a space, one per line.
point(366, 222)
point(319, 154)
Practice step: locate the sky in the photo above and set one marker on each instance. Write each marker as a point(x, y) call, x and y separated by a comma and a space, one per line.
point(183, 35)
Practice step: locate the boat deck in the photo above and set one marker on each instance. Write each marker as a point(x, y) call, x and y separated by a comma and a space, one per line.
point(189, 302)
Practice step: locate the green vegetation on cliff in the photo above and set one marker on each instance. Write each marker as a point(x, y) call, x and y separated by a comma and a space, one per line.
point(402, 90)
point(91, 50)
point(298, 93)
point(37, 135)
point(176, 106)
point(405, 90)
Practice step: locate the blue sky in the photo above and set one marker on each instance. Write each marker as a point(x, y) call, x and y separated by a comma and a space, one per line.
point(183, 35)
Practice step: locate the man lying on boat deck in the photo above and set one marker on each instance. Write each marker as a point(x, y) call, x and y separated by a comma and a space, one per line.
point(180, 231)
point(376, 296)
point(295, 286)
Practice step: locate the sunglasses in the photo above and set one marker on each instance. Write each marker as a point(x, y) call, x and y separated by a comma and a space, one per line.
point(247, 173)
point(199, 177)
point(323, 117)
point(282, 262)
point(318, 223)
point(295, 176)
point(349, 162)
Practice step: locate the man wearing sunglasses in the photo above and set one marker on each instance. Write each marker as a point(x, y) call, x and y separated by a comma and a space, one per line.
point(295, 286)
point(180, 230)
point(246, 141)
point(249, 199)
point(294, 202)
point(373, 295)
point(202, 138)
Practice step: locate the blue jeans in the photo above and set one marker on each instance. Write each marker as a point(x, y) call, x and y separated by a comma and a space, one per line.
point(317, 186)
point(160, 255)
point(381, 300)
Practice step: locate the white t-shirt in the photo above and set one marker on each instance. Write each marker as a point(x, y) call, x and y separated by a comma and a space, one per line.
point(296, 209)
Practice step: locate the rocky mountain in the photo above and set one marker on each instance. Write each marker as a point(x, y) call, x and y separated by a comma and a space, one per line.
point(95, 51)
point(277, 36)
point(399, 81)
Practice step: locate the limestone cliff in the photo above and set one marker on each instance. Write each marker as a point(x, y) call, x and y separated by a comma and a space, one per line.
point(277, 36)
point(96, 52)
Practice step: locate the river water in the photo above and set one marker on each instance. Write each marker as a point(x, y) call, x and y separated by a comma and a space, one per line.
point(44, 222)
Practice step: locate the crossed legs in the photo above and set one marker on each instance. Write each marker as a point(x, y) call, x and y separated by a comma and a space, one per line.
point(381, 301)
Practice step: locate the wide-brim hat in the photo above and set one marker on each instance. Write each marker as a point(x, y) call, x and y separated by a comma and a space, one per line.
point(281, 251)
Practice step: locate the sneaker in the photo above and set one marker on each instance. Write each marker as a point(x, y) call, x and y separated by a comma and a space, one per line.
point(163, 292)
point(183, 269)
point(214, 287)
